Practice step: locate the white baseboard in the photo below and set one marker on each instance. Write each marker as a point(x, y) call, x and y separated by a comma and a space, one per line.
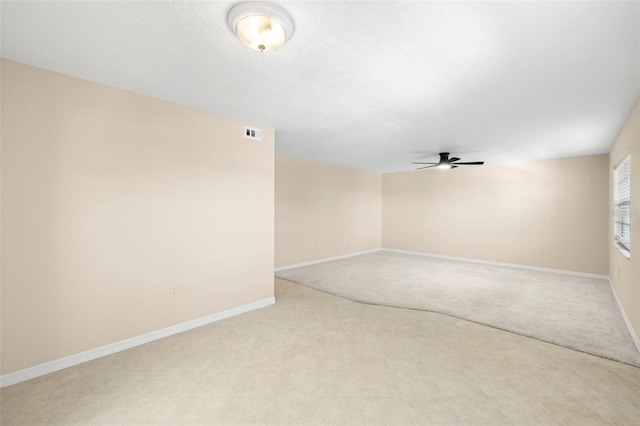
point(634, 336)
point(326, 259)
point(69, 361)
point(510, 265)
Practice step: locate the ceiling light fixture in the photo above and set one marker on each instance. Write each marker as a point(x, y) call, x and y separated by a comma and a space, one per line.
point(260, 25)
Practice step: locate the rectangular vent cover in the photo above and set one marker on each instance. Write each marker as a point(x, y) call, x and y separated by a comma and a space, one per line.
point(251, 133)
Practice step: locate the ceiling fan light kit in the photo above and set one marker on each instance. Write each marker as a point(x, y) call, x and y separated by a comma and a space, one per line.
point(262, 26)
point(448, 163)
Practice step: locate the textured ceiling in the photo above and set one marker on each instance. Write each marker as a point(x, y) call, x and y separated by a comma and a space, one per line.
point(368, 85)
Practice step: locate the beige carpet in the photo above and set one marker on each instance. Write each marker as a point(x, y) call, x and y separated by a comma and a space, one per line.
point(575, 312)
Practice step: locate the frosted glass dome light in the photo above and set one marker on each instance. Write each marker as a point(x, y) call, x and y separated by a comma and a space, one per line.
point(260, 25)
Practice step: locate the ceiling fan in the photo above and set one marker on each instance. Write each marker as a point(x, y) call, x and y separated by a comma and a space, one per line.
point(448, 163)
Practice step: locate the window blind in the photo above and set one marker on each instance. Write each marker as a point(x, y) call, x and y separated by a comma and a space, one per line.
point(622, 202)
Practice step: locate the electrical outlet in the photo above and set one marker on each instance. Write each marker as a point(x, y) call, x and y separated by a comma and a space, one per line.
point(173, 291)
point(344, 241)
point(312, 245)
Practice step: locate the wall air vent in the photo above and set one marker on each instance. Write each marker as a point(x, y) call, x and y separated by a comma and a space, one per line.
point(251, 133)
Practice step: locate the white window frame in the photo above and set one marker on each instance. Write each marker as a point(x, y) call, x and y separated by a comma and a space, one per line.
point(622, 205)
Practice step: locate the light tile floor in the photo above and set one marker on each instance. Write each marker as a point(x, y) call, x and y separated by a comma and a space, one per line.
point(316, 359)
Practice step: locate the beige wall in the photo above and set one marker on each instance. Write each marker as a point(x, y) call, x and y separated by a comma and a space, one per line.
point(501, 212)
point(625, 273)
point(335, 208)
point(108, 199)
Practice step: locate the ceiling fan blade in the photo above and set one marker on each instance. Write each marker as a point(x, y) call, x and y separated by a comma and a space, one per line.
point(472, 163)
point(454, 159)
point(415, 162)
point(426, 167)
point(453, 167)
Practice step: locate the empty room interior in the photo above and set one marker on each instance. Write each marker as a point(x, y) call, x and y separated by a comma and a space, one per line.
point(320, 213)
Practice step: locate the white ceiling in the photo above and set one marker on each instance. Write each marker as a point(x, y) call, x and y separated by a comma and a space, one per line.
point(368, 85)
